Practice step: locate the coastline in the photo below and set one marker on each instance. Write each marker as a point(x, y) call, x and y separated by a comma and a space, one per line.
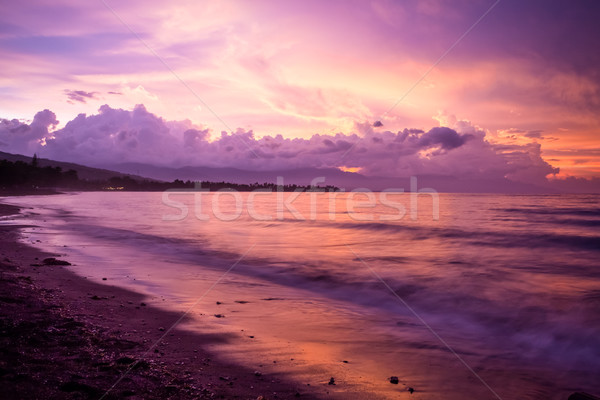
point(65, 336)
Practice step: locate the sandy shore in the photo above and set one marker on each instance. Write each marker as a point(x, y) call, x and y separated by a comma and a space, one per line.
point(63, 336)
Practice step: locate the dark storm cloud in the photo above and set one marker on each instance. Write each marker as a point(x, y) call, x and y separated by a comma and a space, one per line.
point(80, 95)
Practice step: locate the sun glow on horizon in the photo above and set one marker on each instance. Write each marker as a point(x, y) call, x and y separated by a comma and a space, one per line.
point(350, 169)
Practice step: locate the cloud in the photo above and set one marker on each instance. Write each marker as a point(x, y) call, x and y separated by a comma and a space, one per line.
point(445, 137)
point(115, 135)
point(19, 137)
point(534, 134)
point(80, 95)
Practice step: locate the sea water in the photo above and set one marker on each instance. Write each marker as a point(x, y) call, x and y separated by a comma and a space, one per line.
point(460, 296)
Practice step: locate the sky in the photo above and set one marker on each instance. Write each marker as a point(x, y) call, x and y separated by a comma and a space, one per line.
point(468, 88)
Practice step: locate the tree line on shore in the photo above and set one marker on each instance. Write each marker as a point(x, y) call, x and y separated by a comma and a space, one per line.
point(22, 175)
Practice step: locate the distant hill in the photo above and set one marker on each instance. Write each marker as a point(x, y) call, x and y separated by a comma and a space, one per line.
point(301, 176)
point(87, 173)
point(20, 175)
point(333, 176)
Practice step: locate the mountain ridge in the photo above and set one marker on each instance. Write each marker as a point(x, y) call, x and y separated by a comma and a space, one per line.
point(83, 171)
point(305, 176)
point(332, 176)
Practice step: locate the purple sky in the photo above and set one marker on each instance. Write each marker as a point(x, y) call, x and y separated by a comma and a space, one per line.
point(520, 93)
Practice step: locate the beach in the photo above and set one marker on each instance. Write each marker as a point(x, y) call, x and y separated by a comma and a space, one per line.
point(64, 336)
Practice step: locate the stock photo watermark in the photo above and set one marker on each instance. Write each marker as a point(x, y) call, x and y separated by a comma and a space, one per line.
point(307, 203)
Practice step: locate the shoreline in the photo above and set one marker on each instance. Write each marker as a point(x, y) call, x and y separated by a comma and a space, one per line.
point(65, 336)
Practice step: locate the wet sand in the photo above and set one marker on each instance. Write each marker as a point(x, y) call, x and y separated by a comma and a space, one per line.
point(63, 336)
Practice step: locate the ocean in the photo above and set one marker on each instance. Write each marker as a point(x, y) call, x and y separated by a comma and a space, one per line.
point(458, 295)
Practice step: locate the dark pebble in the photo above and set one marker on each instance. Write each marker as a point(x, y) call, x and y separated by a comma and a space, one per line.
point(72, 386)
point(125, 360)
point(54, 261)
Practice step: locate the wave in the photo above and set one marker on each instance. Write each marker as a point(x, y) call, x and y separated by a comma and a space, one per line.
point(583, 212)
point(455, 300)
point(507, 239)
